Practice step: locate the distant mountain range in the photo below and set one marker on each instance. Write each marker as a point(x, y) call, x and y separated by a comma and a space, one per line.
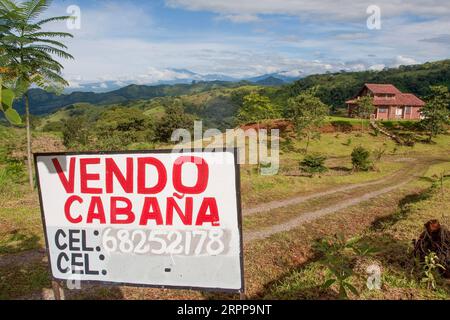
point(43, 102)
point(184, 76)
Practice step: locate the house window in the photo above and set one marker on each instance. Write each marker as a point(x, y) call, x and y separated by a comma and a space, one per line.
point(408, 110)
point(382, 110)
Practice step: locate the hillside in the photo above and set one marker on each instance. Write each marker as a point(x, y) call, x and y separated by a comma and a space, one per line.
point(216, 107)
point(43, 102)
point(336, 88)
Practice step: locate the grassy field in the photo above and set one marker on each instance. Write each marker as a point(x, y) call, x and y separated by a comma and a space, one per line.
point(391, 236)
point(292, 269)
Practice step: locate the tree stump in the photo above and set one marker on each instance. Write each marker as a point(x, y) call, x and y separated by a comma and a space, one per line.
point(435, 238)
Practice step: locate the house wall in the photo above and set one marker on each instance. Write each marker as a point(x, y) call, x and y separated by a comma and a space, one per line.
point(415, 113)
point(391, 114)
point(382, 116)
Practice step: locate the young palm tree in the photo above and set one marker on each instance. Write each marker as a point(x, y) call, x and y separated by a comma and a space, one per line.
point(30, 52)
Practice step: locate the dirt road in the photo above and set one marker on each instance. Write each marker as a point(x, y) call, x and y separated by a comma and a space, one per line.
point(413, 170)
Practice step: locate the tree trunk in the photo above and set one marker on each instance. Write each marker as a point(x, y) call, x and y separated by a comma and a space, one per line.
point(29, 156)
point(257, 142)
point(307, 144)
point(430, 136)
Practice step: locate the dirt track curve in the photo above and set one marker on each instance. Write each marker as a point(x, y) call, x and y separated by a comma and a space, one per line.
point(400, 178)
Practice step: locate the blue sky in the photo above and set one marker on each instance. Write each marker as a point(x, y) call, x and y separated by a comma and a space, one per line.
point(143, 41)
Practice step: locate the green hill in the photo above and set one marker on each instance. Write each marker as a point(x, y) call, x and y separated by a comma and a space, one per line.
point(43, 102)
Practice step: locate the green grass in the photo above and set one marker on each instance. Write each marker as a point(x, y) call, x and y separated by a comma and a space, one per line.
point(258, 189)
point(156, 113)
point(353, 121)
point(19, 281)
point(438, 169)
point(21, 227)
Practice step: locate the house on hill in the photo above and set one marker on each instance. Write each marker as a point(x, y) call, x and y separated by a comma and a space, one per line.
point(390, 103)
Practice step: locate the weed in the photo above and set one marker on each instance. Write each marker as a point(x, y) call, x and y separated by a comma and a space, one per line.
point(348, 143)
point(431, 268)
point(338, 261)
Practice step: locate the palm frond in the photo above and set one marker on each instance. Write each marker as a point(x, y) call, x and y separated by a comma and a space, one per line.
point(33, 8)
point(52, 50)
point(8, 5)
point(49, 80)
point(50, 35)
point(53, 42)
point(54, 19)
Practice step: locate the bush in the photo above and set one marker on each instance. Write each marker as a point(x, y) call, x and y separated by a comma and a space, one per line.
point(76, 132)
point(314, 163)
point(286, 145)
point(119, 127)
point(53, 126)
point(10, 174)
point(342, 126)
point(361, 159)
point(173, 119)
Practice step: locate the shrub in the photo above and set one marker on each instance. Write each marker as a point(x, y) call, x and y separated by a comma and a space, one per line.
point(287, 145)
point(361, 159)
point(53, 126)
point(388, 124)
point(12, 173)
point(76, 132)
point(313, 163)
point(409, 125)
point(342, 126)
point(376, 131)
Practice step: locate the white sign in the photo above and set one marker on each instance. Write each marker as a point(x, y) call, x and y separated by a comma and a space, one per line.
point(145, 218)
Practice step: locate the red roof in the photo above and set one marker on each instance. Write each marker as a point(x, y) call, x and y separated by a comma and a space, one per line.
point(382, 88)
point(398, 98)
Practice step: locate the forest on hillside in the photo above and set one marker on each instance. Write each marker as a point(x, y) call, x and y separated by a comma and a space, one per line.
point(336, 88)
point(214, 101)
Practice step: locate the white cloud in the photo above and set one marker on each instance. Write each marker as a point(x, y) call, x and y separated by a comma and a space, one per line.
point(377, 67)
point(294, 73)
point(403, 61)
point(239, 18)
point(120, 83)
point(352, 36)
point(326, 9)
point(154, 75)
